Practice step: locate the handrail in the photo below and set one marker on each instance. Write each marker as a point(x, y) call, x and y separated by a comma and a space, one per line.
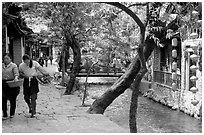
point(164, 77)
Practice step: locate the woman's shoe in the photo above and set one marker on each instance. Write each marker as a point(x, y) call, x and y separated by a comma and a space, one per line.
point(30, 110)
point(32, 116)
point(5, 117)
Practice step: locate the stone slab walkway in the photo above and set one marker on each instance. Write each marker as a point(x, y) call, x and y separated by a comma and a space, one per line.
point(58, 113)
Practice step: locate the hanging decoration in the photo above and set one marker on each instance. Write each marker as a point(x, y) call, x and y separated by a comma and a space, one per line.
point(174, 86)
point(194, 46)
point(193, 78)
point(174, 64)
point(189, 50)
point(174, 76)
point(174, 53)
point(194, 89)
point(194, 57)
point(174, 42)
point(193, 68)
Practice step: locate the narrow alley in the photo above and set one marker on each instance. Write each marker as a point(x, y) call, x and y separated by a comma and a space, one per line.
point(57, 113)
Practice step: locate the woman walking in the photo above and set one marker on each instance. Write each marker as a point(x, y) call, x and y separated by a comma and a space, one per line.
point(29, 70)
point(9, 72)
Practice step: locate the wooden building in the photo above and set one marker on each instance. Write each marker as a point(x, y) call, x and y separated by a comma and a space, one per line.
point(14, 35)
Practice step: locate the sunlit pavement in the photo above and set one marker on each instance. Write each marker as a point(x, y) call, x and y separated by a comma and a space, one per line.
point(57, 113)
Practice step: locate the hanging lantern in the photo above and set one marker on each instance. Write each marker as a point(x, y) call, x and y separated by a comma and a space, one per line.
point(174, 66)
point(194, 46)
point(174, 86)
point(194, 102)
point(174, 75)
point(194, 57)
point(193, 68)
point(174, 42)
point(194, 89)
point(193, 78)
point(174, 53)
point(193, 35)
point(199, 21)
point(189, 50)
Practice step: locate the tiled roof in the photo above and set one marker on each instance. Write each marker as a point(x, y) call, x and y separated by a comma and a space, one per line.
point(8, 18)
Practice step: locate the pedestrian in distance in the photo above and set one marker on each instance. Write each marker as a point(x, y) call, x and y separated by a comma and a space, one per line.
point(41, 61)
point(29, 70)
point(51, 58)
point(9, 72)
point(115, 65)
point(46, 60)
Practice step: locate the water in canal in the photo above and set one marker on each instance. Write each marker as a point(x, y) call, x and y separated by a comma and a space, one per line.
point(152, 116)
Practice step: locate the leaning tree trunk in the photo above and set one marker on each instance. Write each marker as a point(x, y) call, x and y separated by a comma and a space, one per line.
point(134, 101)
point(76, 65)
point(124, 82)
point(135, 92)
point(137, 81)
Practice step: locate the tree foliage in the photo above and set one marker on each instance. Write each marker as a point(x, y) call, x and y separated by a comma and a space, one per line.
point(159, 32)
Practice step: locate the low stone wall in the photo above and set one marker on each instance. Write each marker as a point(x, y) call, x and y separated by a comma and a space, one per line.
point(187, 107)
point(173, 99)
point(160, 93)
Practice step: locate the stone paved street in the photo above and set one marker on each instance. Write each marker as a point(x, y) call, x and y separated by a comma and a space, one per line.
point(57, 113)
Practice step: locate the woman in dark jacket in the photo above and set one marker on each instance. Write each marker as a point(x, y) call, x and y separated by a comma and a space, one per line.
point(9, 72)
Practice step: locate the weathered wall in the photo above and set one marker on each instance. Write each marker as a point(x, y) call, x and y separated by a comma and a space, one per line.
point(157, 59)
point(160, 93)
point(17, 50)
point(186, 95)
point(174, 99)
point(180, 99)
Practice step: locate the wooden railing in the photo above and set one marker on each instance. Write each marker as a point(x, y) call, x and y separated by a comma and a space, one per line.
point(165, 78)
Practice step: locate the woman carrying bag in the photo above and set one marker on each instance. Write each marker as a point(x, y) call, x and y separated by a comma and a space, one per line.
point(9, 73)
point(29, 70)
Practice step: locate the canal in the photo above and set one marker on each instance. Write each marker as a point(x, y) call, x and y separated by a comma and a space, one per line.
point(152, 116)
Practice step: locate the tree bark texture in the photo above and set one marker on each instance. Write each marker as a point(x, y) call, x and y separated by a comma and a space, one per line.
point(124, 82)
point(133, 110)
point(136, 84)
point(76, 64)
point(134, 100)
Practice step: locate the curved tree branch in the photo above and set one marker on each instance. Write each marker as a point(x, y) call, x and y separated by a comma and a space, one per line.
point(136, 4)
point(129, 12)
